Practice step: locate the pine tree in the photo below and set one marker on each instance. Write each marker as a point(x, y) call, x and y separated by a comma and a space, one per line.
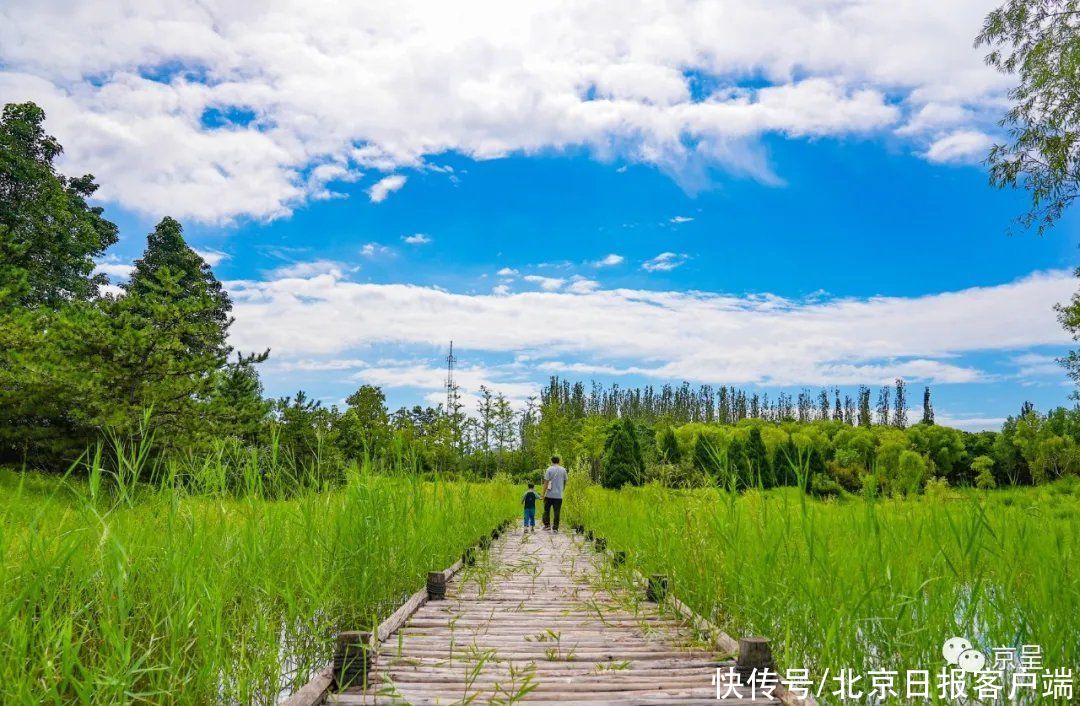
point(168, 252)
point(236, 399)
point(927, 407)
point(155, 350)
point(622, 463)
point(738, 465)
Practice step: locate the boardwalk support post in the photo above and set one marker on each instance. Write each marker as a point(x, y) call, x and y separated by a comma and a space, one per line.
point(589, 535)
point(657, 588)
point(754, 653)
point(436, 585)
point(600, 545)
point(352, 659)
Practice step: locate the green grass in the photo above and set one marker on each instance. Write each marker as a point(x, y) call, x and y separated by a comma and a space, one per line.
point(861, 584)
point(158, 596)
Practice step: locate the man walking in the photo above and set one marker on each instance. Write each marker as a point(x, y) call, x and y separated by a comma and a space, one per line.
point(554, 483)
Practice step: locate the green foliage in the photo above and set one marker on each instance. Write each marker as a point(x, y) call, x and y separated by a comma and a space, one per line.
point(1069, 317)
point(236, 399)
point(622, 463)
point(983, 468)
point(363, 431)
point(116, 593)
point(878, 581)
point(911, 472)
point(1038, 41)
point(669, 447)
point(757, 458)
point(49, 235)
point(707, 456)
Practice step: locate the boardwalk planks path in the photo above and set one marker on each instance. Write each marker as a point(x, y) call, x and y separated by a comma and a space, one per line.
point(542, 618)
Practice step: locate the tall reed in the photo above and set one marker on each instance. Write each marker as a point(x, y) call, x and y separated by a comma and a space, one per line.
point(862, 584)
point(199, 590)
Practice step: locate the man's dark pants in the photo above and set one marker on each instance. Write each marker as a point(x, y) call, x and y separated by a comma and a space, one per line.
point(549, 504)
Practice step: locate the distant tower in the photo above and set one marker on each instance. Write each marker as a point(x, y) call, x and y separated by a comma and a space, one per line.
point(451, 387)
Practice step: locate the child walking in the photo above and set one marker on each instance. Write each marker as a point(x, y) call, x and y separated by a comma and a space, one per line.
point(529, 501)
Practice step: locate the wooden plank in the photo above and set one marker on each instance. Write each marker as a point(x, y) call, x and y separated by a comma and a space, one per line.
point(400, 616)
point(314, 692)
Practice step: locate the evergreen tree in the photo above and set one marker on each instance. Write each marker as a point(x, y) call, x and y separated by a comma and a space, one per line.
point(168, 252)
point(757, 457)
point(622, 463)
point(156, 350)
point(927, 407)
point(237, 404)
point(738, 465)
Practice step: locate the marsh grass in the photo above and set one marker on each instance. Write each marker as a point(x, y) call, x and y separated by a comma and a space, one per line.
point(216, 583)
point(867, 583)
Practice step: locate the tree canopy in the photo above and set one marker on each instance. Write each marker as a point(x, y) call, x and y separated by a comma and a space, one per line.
point(49, 234)
point(1038, 41)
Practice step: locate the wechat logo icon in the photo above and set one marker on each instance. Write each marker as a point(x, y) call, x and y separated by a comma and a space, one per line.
point(958, 652)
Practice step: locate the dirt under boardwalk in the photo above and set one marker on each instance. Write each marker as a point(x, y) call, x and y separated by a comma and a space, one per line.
point(542, 619)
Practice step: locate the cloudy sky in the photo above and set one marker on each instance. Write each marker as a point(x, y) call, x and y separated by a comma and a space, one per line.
point(770, 194)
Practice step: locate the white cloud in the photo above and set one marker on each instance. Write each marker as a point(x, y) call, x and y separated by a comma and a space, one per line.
point(416, 239)
point(664, 262)
point(212, 257)
point(582, 285)
point(966, 423)
point(507, 272)
point(548, 284)
point(961, 146)
point(699, 336)
point(609, 260)
point(1035, 365)
point(328, 89)
point(385, 186)
point(112, 267)
point(681, 219)
point(500, 290)
point(312, 269)
point(374, 249)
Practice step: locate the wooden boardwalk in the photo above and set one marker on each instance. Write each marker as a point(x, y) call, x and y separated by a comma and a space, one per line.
point(543, 618)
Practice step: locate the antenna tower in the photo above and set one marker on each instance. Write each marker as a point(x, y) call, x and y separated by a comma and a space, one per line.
point(451, 387)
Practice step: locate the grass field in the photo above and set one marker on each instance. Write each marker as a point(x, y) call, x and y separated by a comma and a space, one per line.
point(162, 596)
point(172, 598)
point(860, 584)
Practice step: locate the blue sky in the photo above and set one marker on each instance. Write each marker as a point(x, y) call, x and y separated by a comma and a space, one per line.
point(648, 198)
